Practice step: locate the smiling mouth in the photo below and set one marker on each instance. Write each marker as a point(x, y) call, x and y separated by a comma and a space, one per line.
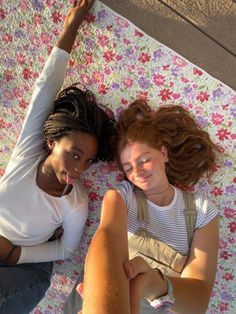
point(143, 180)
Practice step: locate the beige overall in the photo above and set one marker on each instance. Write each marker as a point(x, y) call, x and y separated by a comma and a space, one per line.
point(155, 252)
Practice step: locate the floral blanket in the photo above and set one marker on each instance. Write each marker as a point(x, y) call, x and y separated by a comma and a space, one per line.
point(119, 63)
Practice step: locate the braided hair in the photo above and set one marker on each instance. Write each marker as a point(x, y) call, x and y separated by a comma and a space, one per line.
point(191, 152)
point(76, 109)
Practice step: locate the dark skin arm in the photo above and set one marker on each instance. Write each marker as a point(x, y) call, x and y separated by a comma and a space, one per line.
point(74, 18)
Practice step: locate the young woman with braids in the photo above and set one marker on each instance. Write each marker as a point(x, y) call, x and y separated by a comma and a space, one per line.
point(40, 190)
point(172, 234)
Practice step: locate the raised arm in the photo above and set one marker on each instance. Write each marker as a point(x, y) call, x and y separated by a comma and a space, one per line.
point(74, 18)
point(106, 287)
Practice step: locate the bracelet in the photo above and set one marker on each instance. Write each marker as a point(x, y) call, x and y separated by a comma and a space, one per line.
point(9, 254)
point(166, 300)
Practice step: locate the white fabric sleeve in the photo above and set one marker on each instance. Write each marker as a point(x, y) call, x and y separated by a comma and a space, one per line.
point(46, 88)
point(59, 249)
point(206, 211)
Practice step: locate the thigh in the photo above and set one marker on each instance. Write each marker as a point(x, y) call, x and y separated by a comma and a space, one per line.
point(73, 303)
point(23, 286)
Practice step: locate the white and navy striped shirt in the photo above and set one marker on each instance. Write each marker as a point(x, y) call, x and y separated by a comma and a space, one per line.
point(167, 223)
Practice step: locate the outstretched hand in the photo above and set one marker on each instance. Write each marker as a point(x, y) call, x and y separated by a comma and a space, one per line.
point(77, 13)
point(75, 16)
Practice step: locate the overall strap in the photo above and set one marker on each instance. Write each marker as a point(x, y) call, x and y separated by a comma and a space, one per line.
point(142, 205)
point(190, 214)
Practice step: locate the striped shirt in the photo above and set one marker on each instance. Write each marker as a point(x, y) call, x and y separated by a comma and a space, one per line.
point(166, 223)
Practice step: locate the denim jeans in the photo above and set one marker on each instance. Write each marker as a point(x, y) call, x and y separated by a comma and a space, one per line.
point(23, 286)
point(74, 302)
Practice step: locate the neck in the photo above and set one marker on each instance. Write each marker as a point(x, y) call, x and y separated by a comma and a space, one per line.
point(162, 198)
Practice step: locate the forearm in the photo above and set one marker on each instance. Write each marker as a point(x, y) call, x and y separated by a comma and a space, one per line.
point(45, 252)
point(67, 38)
point(191, 295)
point(106, 287)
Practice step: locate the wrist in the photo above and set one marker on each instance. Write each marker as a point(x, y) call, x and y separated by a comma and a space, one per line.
point(13, 256)
point(165, 300)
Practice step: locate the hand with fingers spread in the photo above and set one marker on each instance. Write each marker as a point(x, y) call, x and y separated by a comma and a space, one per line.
point(73, 20)
point(145, 282)
point(77, 13)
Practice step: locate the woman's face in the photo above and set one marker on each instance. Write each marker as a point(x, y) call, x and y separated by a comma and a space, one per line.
point(72, 154)
point(144, 166)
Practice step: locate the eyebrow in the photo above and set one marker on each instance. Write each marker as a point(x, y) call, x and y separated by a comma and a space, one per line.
point(128, 163)
point(81, 152)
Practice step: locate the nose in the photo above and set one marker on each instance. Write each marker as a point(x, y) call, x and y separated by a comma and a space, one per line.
point(80, 167)
point(138, 170)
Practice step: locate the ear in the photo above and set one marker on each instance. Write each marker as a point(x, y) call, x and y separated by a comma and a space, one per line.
point(51, 144)
point(164, 153)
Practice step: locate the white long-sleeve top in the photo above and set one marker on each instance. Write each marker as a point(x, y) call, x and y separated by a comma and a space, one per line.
point(28, 215)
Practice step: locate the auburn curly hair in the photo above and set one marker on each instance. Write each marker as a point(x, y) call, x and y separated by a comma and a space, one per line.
point(191, 152)
point(76, 109)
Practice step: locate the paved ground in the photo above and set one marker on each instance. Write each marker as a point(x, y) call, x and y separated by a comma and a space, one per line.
point(203, 31)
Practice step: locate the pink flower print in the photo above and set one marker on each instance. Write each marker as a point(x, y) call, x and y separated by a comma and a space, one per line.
point(46, 38)
point(126, 41)
point(232, 226)
point(202, 96)
point(2, 14)
point(225, 255)
point(2, 171)
point(196, 71)
point(103, 89)
point(7, 38)
point(128, 82)
point(121, 22)
point(144, 57)
point(137, 33)
point(56, 17)
point(184, 79)
point(23, 104)
point(158, 79)
point(228, 276)
point(37, 19)
point(27, 74)
point(179, 61)
point(124, 101)
point(18, 93)
point(176, 96)
point(217, 191)
point(223, 134)
point(229, 213)
point(8, 94)
point(89, 223)
point(8, 76)
point(88, 58)
point(107, 71)
point(165, 94)
point(103, 40)
point(166, 67)
point(93, 196)
point(143, 96)
point(90, 18)
point(20, 58)
point(87, 183)
point(109, 56)
point(217, 118)
point(97, 77)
